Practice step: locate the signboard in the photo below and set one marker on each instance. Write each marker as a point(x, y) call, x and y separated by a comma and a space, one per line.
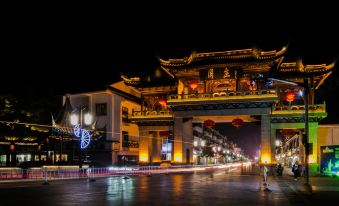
point(219, 73)
point(329, 159)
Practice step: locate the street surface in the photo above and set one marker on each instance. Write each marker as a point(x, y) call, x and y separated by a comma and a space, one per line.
point(218, 187)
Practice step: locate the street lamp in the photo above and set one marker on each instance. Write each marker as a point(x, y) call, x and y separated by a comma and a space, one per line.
point(83, 134)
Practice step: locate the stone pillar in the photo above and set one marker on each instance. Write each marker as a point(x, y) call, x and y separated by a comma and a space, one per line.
point(143, 146)
point(187, 149)
point(266, 142)
point(178, 138)
point(183, 140)
point(155, 148)
point(272, 140)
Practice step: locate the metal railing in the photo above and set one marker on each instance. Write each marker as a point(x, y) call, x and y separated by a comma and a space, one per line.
point(225, 95)
point(299, 109)
point(59, 173)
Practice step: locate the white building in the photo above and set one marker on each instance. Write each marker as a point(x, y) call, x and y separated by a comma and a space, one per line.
point(110, 109)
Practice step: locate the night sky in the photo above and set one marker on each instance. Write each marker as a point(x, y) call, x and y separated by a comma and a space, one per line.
point(58, 52)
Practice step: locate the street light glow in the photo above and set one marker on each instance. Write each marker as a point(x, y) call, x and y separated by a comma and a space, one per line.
point(88, 118)
point(74, 119)
point(300, 93)
point(277, 143)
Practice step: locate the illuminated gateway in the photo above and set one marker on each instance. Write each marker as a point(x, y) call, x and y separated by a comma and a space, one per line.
point(168, 116)
point(249, 84)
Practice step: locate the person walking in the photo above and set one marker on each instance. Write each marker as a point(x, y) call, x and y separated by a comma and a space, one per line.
point(295, 170)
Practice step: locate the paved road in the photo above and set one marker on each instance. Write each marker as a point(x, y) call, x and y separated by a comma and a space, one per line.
point(199, 188)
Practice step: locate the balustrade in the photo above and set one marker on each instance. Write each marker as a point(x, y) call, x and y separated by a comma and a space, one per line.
point(224, 94)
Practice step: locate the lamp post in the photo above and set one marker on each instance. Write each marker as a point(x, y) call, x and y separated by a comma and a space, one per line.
point(79, 131)
point(307, 149)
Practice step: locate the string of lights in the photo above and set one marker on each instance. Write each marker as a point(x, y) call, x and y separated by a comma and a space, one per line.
point(107, 132)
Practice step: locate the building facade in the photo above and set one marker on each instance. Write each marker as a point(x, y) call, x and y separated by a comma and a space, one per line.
point(223, 85)
point(118, 143)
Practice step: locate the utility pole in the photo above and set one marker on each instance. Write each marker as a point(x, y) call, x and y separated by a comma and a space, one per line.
point(307, 148)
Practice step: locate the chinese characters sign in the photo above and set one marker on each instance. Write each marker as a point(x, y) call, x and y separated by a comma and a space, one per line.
point(219, 73)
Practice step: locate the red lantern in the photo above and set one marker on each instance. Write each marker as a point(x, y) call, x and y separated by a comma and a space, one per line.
point(200, 89)
point(162, 102)
point(290, 96)
point(209, 123)
point(287, 132)
point(11, 147)
point(237, 122)
point(193, 84)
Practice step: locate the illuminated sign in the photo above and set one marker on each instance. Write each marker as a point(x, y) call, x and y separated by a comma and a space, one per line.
point(219, 73)
point(329, 163)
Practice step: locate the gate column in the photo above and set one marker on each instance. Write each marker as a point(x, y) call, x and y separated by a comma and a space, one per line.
point(267, 153)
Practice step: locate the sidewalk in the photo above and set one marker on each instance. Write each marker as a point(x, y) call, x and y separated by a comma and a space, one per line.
point(317, 183)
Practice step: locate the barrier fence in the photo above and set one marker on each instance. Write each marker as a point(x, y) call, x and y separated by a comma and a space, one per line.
point(69, 172)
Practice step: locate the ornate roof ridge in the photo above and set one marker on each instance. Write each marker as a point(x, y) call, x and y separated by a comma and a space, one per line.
point(229, 54)
point(131, 80)
point(298, 66)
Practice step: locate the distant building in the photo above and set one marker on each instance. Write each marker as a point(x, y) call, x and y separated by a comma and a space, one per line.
point(111, 108)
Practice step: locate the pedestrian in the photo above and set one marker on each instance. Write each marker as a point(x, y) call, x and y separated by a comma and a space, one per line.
point(295, 171)
point(280, 169)
point(303, 170)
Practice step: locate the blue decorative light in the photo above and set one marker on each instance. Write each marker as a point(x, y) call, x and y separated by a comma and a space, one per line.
point(269, 83)
point(85, 136)
point(301, 93)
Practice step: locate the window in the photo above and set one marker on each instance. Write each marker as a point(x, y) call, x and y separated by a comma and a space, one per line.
point(124, 139)
point(127, 143)
point(101, 109)
point(124, 115)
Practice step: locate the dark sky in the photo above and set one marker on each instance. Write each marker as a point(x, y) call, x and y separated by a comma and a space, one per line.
point(73, 49)
point(65, 50)
point(248, 141)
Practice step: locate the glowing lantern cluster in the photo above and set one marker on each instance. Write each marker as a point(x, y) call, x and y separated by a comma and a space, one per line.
point(193, 84)
point(162, 102)
point(237, 122)
point(290, 96)
point(209, 123)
